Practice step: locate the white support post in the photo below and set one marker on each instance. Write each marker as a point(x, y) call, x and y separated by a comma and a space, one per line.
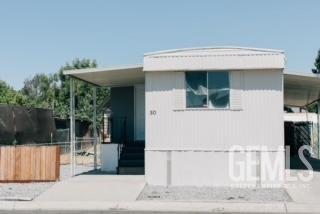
point(95, 135)
point(72, 128)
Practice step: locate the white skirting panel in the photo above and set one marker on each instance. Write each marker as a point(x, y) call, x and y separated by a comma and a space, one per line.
point(215, 168)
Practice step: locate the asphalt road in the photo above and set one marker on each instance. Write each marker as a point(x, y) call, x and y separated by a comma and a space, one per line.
point(118, 212)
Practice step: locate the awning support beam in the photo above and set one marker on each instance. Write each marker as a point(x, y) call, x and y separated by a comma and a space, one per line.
point(94, 121)
point(72, 128)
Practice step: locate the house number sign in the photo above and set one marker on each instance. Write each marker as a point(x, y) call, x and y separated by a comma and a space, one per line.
point(153, 112)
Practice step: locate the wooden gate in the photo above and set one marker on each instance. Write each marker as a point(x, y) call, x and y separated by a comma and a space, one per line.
point(29, 163)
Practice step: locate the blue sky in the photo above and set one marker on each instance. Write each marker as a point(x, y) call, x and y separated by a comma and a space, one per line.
point(40, 36)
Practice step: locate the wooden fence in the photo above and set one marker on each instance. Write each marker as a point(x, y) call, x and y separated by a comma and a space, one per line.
point(29, 163)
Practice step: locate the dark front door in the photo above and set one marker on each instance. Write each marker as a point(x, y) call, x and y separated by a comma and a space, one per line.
point(122, 107)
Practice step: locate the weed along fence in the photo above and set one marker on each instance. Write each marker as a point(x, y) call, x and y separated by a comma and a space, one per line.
point(29, 163)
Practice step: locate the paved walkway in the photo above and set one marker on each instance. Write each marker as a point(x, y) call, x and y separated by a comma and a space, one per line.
point(95, 188)
point(304, 192)
point(118, 194)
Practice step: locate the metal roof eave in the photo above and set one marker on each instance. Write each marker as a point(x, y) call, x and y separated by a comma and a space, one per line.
point(301, 89)
point(110, 68)
point(102, 76)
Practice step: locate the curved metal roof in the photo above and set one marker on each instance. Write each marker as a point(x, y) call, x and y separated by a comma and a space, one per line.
point(214, 58)
point(215, 48)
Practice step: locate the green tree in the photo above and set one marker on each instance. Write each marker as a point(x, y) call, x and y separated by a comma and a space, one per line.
point(314, 108)
point(9, 96)
point(53, 92)
point(317, 64)
point(83, 93)
point(40, 90)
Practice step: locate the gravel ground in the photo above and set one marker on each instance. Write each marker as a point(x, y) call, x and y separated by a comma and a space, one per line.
point(28, 191)
point(213, 194)
point(23, 191)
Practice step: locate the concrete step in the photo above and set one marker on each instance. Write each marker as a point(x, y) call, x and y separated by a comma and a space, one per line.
point(132, 156)
point(132, 159)
point(131, 163)
point(132, 150)
point(140, 145)
point(131, 170)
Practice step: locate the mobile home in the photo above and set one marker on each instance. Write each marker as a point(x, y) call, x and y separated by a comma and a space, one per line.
point(199, 114)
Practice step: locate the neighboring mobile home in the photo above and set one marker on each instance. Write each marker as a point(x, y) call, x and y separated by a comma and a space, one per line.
point(192, 106)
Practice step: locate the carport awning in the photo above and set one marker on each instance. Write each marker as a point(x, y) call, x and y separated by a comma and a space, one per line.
point(301, 89)
point(111, 76)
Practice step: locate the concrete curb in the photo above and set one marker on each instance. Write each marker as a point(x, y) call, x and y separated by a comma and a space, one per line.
point(16, 199)
point(165, 207)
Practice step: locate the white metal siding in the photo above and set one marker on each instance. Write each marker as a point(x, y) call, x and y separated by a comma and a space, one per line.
point(212, 63)
point(159, 107)
point(236, 89)
point(260, 122)
point(179, 96)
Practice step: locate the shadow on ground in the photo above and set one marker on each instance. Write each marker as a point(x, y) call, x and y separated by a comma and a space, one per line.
point(96, 172)
point(99, 172)
point(296, 163)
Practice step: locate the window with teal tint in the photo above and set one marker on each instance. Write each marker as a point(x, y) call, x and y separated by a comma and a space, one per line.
point(207, 89)
point(218, 89)
point(197, 91)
